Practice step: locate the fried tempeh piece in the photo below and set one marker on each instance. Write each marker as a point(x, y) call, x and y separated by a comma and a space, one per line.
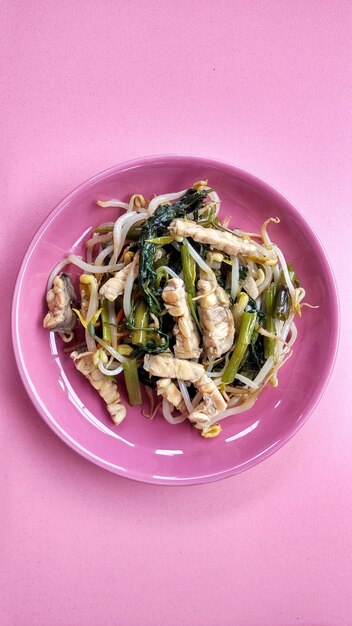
point(105, 386)
point(115, 286)
point(171, 393)
point(222, 240)
point(59, 298)
point(166, 366)
point(215, 316)
point(185, 331)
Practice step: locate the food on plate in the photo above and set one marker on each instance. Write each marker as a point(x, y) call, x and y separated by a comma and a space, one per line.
point(105, 385)
point(187, 344)
point(60, 298)
point(175, 302)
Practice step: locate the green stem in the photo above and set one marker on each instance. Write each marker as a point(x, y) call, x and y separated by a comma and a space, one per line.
point(193, 310)
point(189, 270)
point(269, 343)
point(132, 382)
point(189, 278)
point(248, 321)
point(141, 321)
point(105, 322)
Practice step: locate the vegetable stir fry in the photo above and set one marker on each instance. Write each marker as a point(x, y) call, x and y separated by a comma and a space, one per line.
point(197, 318)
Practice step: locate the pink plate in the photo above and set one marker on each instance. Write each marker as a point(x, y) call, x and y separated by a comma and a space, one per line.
point(155, 451)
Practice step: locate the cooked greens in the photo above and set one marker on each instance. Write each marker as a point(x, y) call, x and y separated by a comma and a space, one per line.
point(182, 305)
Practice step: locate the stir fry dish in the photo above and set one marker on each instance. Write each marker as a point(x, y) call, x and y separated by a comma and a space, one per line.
point(195, 316)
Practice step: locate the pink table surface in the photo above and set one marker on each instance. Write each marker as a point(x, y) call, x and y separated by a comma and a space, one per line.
point(267, 86)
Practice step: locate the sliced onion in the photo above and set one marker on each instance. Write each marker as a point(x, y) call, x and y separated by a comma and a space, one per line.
point(167, 408)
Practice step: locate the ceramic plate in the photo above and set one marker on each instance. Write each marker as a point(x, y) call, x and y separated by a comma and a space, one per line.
point(155, 451)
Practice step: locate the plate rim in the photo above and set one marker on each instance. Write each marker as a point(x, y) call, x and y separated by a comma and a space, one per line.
point(50, 420)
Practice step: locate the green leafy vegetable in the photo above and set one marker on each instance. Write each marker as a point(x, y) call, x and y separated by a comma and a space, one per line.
point(105, 322)
point(252, 308)
point(156, 226)
point(254, 358)
point(189, 270)
point(157, 342)
point(269, 343)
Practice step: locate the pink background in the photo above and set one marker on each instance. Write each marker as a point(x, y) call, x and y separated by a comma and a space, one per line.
point(267, 86)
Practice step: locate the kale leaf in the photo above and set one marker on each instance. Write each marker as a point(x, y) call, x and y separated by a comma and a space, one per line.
point(156, 226)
